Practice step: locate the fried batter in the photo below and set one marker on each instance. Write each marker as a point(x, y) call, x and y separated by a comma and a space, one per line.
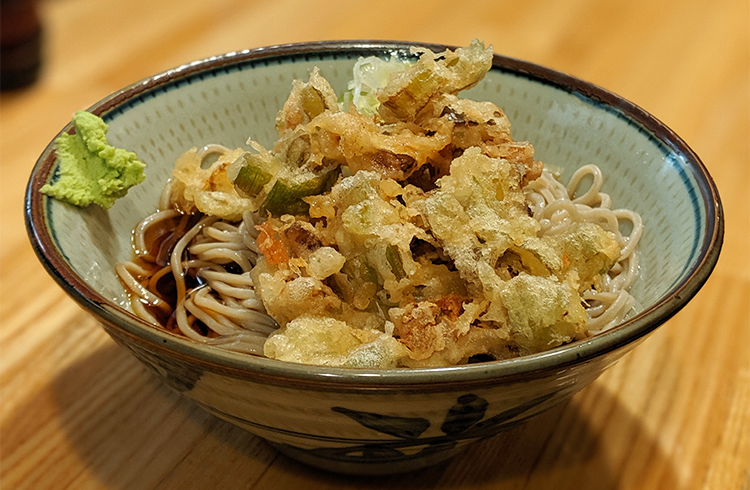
point(423, 252)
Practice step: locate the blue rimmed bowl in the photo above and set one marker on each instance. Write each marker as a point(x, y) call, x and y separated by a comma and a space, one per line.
point(366, 421)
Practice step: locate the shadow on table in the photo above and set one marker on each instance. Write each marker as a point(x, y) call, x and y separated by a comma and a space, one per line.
point(167, 442)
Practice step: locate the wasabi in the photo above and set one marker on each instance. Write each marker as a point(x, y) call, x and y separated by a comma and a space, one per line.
point(91, 171)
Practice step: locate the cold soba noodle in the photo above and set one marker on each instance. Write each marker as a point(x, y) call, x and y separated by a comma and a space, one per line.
point(222, 308)
point(193, 276)
point(556, 207)
point(398, 233)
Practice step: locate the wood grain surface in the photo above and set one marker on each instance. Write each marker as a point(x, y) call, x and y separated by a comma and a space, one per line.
point(78, 412)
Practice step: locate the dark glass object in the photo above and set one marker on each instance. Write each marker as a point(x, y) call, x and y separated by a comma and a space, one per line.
point(20, 43)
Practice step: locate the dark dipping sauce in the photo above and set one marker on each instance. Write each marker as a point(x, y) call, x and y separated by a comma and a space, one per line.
point(160, 240)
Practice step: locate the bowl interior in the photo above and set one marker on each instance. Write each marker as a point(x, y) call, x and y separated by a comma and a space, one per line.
point(234, 98)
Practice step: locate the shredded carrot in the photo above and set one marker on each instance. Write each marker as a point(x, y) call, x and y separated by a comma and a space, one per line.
point(270, 244)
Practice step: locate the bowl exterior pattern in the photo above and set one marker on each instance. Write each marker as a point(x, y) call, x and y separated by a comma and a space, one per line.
point(359, 430)
point(360, 421)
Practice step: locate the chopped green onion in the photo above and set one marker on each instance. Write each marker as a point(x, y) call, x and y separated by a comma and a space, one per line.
point(251, 178)
point(394, 260)
point(285, 198)
point(359, 270)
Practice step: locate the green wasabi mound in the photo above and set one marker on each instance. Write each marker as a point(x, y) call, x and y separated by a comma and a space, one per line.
point(91, 170)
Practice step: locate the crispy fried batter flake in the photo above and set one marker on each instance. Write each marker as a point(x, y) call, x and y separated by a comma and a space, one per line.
point(208, 190)
point(421, 122)
point(311, 339)
point(424, 252)
point(449, 72)
point(306, 101)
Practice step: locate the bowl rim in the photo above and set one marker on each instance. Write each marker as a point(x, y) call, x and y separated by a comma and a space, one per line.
point(120, 322)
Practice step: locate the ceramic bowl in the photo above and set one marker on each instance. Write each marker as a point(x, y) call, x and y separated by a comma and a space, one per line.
point(367, 421)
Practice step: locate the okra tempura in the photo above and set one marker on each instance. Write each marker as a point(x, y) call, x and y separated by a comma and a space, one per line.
point(398, 225)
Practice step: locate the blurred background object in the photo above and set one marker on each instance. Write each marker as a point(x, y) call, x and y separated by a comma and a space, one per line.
point(20, 43)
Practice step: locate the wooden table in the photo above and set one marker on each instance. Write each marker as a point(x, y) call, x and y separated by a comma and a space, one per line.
point(79, 412)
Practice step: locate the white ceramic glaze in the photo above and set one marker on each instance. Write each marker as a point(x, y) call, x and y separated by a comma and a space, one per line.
point(387, 421)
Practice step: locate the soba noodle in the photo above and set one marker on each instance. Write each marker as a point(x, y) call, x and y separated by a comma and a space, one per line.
point(556, 207)
point(223, 309)
point(403, 226)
